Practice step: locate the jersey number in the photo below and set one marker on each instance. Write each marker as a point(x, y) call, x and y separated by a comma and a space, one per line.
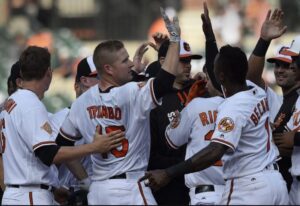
point(117, 153)
point(207, 137)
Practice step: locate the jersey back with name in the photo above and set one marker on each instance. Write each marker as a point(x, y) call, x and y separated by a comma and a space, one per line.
point(25, 128)
point(195, 125)
point(126, 108)
point(243, 125)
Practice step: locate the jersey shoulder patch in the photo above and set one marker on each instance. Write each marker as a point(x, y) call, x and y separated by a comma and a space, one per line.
point(226, 125)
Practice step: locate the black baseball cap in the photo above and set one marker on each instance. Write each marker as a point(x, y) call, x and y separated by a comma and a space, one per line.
point(152, 69)
point(185, 50)
point(86, 68)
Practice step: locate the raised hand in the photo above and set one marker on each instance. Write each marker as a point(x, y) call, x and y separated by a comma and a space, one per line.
point(107, 142)
point(159, 38)
point(273, 27)
point(139, 66)
point(206, 24)
point(172, 26)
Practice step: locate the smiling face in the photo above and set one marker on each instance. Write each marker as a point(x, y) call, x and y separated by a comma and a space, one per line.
point(285, 74)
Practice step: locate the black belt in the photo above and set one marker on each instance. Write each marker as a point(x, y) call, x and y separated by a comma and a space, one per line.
point(204, 188)
point(42, 186)
point(121, 176)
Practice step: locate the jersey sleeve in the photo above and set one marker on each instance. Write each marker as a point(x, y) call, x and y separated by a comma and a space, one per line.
point(35, 126)
point(229, 127)
point(178, 131)
point(294, 122)
point(69, 129)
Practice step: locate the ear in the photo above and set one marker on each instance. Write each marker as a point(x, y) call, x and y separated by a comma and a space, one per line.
point(161, 60)
point(222, 78)
point(108, 69)
point(19, 82)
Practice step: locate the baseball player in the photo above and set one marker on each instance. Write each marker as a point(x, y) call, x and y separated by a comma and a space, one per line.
point(28, 149)
point(116, 104)
point(242, 138)
point(293, 136)
point(281, 107)
point(86, 77)
point(195, 126)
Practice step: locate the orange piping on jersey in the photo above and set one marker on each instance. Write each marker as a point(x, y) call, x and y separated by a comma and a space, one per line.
point(170, 143)
point(30, 198)
point(41, 144)
point(68, 137)
point(230, 192)
point(9, 105)
point(142, 193)
point(152, 94)
point(185, 95)
point(221, 141)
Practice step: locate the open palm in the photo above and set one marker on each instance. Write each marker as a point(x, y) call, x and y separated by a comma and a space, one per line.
point(273, 27)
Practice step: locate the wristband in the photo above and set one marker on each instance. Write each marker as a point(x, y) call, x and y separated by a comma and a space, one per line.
point(261, 47)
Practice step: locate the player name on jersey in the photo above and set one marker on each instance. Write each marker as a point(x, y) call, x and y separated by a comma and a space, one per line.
point(102, 111)
point(259, 110)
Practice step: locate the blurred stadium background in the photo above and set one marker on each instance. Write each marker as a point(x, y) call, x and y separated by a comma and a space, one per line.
point(72, 28)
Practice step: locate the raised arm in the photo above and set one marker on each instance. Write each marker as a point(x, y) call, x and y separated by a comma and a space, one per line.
point(163, 83)
point(211, 49)
point(272, 28)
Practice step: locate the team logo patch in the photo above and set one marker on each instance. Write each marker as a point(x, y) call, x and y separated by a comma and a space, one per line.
point(174, 118)
point(47, 128)
point(226, 125)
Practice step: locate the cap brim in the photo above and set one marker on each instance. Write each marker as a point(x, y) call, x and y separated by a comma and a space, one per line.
point(274, 59)
point(193, 56)
point(289, 52)
point(93, 74)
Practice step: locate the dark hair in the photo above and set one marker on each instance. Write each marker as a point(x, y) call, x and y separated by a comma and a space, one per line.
point(34, 63)
point(233, 62)
point(12, 79)
point(102, 53)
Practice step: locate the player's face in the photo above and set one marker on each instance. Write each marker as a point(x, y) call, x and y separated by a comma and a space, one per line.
point(284, 74)
point(185, 68)
point(121, 67)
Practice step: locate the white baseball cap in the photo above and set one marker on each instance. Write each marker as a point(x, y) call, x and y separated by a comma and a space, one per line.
point(294, 49)
point(279, 56)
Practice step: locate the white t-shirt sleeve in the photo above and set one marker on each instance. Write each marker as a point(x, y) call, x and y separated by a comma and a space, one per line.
point(178, 131)
point(229, 127)
point(69, 128)
point(36, 126)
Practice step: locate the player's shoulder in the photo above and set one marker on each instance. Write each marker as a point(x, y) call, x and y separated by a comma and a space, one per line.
point(203, 101)
point(25, 100)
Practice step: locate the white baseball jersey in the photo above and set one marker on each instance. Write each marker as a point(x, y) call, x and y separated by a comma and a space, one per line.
point(275, 101)
point(127, 108)
point(294, 124)
point(195, 125)
point(25, 127)
point(243, 126)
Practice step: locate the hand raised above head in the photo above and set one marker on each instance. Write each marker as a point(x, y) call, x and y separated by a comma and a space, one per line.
point(206, 23)
point(172, 26)
point(273, 27)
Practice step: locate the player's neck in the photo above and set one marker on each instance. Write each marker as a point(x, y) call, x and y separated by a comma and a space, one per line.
point(35, 87)
point(105, 83)
point(235, 88)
